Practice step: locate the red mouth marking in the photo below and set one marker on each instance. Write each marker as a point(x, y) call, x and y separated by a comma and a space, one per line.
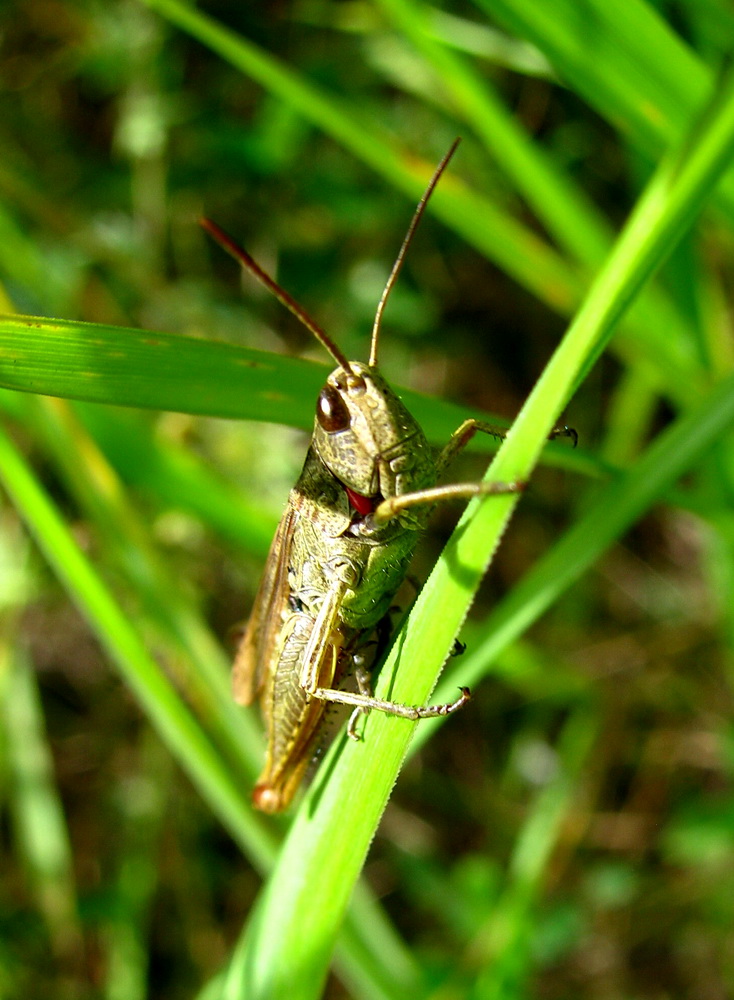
point(362, 504)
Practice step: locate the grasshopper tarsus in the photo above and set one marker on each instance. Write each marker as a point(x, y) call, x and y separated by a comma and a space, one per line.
point(465, 696)
point(451, 707)
point(565, 431)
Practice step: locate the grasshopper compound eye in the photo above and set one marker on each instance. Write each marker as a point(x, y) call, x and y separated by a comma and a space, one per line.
point(331, 411)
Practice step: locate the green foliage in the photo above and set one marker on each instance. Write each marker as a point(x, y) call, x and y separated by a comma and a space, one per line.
point(571, 832)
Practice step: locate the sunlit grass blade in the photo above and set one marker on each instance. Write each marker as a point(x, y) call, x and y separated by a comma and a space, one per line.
point(165, 708)
point(37, 813)
point(163, 371)
point(616, 507)
point(627, 61)
point(116, 365)
point(127, 545)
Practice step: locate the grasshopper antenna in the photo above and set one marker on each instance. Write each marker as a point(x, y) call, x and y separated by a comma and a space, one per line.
point(403, 249)
point(251, 265)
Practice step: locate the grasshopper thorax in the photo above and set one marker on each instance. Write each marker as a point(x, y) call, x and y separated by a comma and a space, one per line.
point(368, 440)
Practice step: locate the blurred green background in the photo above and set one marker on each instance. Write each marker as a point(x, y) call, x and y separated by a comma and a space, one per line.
point(571, 833)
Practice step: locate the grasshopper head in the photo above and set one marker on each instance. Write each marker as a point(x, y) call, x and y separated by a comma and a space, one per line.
point(368, 440)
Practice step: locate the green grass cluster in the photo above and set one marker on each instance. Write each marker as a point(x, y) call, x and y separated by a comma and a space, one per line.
point(572, 832)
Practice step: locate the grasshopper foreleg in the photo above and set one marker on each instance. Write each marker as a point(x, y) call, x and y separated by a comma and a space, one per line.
point(461, 438)
point(463, 434)
point(466, 431)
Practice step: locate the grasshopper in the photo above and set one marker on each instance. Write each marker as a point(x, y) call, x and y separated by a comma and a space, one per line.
point(341, 550)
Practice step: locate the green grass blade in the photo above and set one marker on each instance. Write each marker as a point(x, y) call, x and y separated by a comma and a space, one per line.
point(163, 371)
point(559, 205)
point(117, 365)
point(124, 539)
point(615, 509)
point(624, 59)
point(177, 478)
point(38, 815)
point(164, 707)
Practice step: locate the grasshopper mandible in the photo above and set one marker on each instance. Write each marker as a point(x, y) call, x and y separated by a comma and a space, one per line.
point(341, 550)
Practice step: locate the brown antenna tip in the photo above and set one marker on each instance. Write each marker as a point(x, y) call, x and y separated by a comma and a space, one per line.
point(250, 264)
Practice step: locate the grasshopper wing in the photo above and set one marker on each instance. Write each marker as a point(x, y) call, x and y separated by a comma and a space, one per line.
point(259, 645)
point(310, 656)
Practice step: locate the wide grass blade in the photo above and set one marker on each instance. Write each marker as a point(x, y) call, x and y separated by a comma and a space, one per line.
point(164, 371)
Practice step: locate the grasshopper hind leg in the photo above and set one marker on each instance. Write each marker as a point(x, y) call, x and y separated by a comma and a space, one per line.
point(365, 702)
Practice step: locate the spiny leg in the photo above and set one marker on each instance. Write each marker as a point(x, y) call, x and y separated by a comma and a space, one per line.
point(466, 431)
point(365, 703)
